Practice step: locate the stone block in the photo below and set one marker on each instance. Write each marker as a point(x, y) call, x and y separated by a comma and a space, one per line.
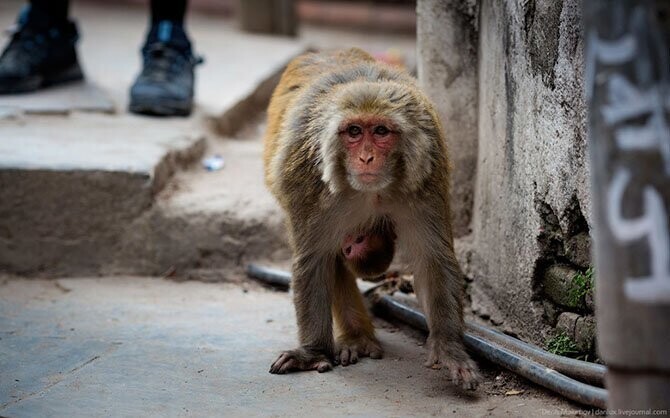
point(558, 286)
point(585, 334)
point(578, 250)
point(590, 301)
point(567, 322)
point(580, 329)
point(551, 312)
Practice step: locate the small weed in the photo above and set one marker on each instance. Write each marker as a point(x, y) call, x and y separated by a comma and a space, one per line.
point(582, 284)
point(562, 345)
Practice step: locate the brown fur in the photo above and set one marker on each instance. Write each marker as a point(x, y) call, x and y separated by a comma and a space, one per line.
point(306, 169)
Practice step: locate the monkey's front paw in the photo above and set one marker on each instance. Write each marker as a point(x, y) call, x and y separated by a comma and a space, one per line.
point(462, 370)
point(300, 359)
point(349, 350)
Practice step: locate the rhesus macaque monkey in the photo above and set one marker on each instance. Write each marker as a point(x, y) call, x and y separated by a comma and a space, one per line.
point(356, 156)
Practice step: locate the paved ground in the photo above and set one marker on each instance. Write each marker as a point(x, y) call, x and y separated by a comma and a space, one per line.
point(131, 346)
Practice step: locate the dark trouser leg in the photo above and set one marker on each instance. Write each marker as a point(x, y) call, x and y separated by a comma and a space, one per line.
point(167, 24)
point(48, 13)
point(172, 10)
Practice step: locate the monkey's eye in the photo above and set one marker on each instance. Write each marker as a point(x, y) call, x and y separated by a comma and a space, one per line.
point(354, 130)
point(381, 130)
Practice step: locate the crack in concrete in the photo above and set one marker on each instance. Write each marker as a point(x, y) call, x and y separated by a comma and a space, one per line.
point(60, 377)
point(58, 285)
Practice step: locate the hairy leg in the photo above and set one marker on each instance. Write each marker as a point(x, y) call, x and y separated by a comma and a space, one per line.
point(356, 335)
point(438, 282)
point(312, 291)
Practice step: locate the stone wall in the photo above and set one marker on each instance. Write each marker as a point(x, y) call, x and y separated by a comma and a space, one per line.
point(447, 70)
point(530, 195)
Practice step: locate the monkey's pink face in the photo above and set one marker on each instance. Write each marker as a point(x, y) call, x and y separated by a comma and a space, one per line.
point(368, 142)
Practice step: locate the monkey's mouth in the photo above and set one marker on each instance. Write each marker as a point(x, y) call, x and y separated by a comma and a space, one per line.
point(368, 182)
point(367, 178)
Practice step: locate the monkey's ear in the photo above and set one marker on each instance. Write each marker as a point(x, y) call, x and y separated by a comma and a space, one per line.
point(330, 149)
point(419, 144)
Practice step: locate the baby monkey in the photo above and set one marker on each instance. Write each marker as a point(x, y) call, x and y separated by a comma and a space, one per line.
point(356, 156)
point(369, 254)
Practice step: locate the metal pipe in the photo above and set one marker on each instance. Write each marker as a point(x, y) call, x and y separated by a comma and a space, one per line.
point(532, 370)
point(581, 370)
point(537, 373)
point(273, 277)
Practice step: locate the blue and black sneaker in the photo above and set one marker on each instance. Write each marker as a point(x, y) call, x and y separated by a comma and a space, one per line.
point(165, 85)
point(39, 57)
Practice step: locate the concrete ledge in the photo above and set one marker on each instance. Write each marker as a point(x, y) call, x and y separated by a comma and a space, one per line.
point(208, 220)
point(233, 119)
point(164, 243)
point(60, 100)
point(70, 186)
point(62, 222)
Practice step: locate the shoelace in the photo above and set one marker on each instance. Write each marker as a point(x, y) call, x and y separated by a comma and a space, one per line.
point(161, 63)
point(26, 45)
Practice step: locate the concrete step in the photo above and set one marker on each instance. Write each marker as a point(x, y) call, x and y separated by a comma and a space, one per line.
point(90, 194)
point(70, 185)
point(78, 190)
point(209, 220)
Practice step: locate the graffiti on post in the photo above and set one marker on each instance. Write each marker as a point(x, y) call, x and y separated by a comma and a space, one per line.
point(636, 109)
point(652, 225)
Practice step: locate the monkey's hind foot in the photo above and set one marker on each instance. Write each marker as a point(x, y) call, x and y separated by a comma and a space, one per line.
point(462, 370)
point(463, 373)
point(349, 350)
point(300, 359)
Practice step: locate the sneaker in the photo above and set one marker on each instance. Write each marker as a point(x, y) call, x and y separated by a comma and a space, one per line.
point(165, 85)
point(36, 58)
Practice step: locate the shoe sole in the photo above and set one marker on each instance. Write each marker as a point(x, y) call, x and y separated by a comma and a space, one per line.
point(164, 108)
point(31, 84)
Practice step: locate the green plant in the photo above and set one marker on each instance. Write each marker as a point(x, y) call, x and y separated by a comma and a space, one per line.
point(582, 284)
point(562, 345)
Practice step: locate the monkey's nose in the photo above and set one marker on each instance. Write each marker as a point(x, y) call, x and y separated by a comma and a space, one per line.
point(367, 159)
